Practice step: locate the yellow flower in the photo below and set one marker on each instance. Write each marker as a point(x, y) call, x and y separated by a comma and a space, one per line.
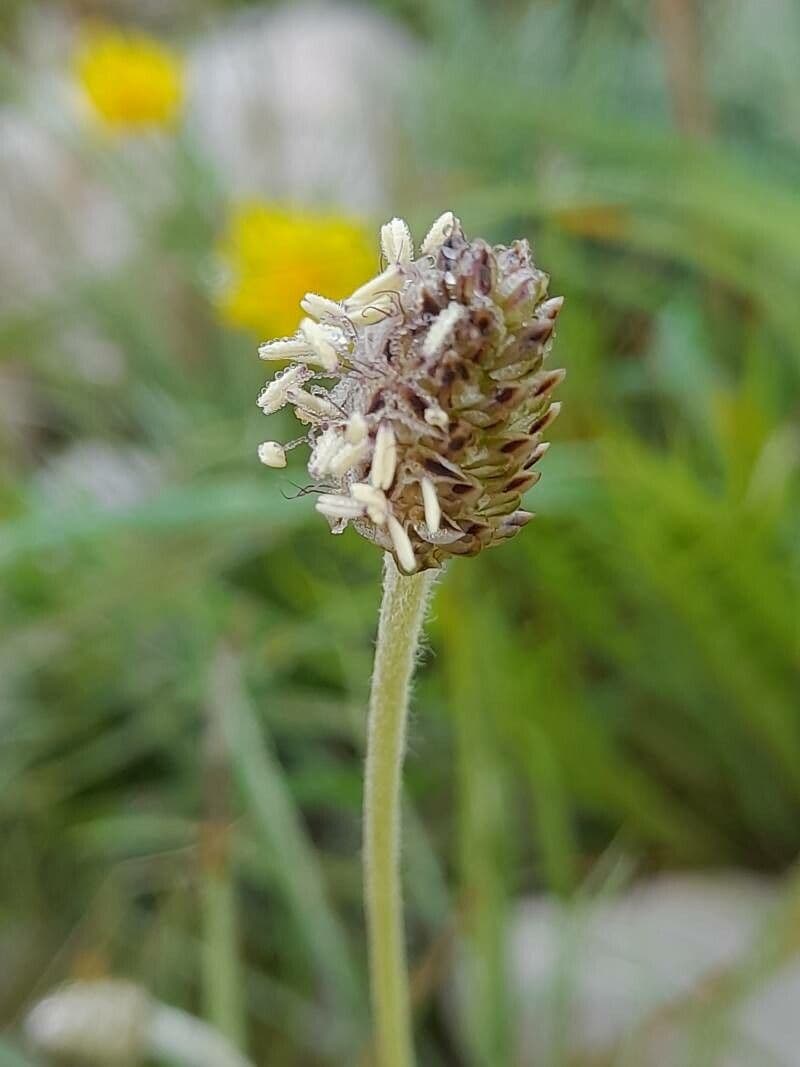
point(275, 256)
point(130, 80)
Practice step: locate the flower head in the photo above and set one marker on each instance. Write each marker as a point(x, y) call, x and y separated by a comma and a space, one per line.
point(131, 81)
point(274, 255)
point(428, 435)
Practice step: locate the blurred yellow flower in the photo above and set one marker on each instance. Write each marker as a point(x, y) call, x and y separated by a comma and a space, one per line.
point(274, 256)
point(131, 80)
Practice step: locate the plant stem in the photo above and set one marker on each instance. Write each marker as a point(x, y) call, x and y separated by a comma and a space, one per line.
point(402, 613)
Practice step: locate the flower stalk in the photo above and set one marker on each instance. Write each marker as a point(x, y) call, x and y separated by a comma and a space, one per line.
point(425, 439)
point(402, 613)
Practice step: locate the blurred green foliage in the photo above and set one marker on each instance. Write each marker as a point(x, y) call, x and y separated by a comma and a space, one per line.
point(183, 680)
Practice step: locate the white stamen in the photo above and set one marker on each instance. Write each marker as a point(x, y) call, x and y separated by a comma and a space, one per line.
point(326, 448)
point(313, 345)
point(435, 416)
point(439, 232)
point(284, 348)
point(275, 394)
point(309, 406)
point(396, 243)
point(336, 506)
point(433, 509)
point(320, 307)
point(373, 499)
point(272, 454)
point(442, 327)
point(319, 341)
point(402, 545)
point(356, 429)
point(388, 281)
point(384, 458)
point(540, 450)
point(347, 457)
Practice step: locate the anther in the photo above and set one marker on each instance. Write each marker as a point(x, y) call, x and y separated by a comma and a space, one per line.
point(439, 232)
point(433, 509)
point(384, 458)
point(402, 545)
point(396, 243)
point(319, 343)
point(272, 454)
point(373, 500)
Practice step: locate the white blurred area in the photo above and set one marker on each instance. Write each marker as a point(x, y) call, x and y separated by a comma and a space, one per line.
point(635, 977)
point(303, 103)
point(296, 103)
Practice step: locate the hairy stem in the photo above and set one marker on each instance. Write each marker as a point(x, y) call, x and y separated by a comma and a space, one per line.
point(402, 613)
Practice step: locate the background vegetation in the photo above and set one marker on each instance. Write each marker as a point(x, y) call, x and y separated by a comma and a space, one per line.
point(183, 675)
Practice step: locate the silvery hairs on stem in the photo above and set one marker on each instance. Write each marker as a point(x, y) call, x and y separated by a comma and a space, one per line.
point(428, 436)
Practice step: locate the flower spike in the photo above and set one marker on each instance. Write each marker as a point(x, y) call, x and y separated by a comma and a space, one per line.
point(426, 439)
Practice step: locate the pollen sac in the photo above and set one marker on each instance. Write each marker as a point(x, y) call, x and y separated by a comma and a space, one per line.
point(429, 427)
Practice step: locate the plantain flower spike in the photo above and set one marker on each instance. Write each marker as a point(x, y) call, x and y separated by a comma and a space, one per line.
point(429, 433)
